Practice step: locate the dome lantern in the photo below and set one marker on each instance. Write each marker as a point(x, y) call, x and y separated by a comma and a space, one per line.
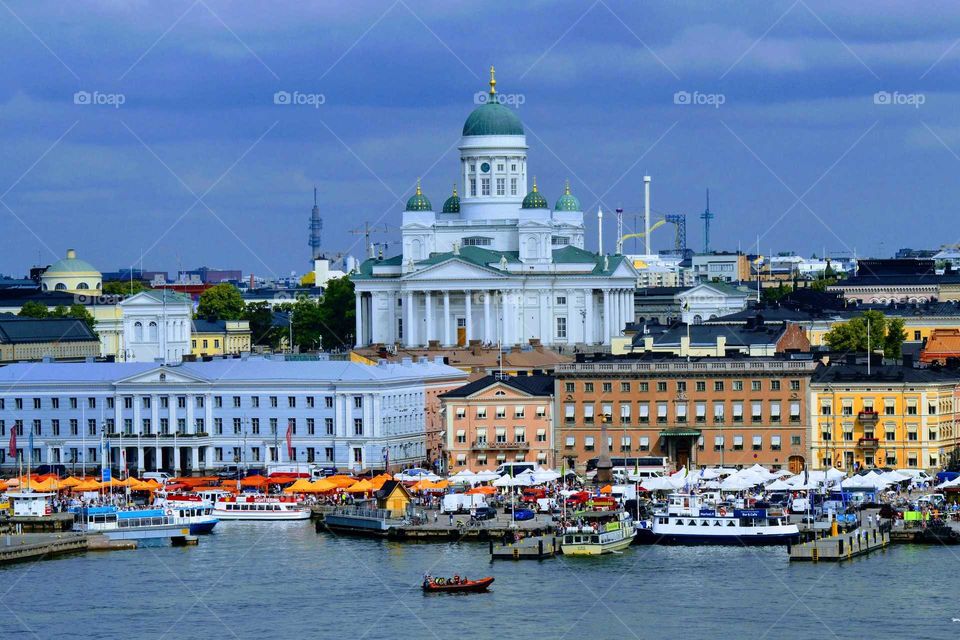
point(492, 118)
point(452, 204)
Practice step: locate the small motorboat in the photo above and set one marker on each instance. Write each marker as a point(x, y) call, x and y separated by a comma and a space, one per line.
point(445, 585)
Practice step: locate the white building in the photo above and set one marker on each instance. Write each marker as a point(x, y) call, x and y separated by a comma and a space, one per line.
point(156, 326)
point(201, 416)
point(712, 300)
point(661, 271)
point(495, 264)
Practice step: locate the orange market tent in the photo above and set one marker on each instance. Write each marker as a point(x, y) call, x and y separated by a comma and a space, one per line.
point(112, 482)
point(50, 484)
point(378, 481)
point(484, 490)
point(342, 482)
point(441, 484)
point(302, 485)
point(66, 483)
point(138, 485)
point(87, 485)
point(153, 484)
point(360, 487)
point(254, 481)
point(322, 486)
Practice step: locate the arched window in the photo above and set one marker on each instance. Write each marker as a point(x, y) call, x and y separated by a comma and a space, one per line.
point(83, 285)
point(153, 331)
point(415, 248)
point(697, 319)
point(137, 332)
point(532, 248)
point(60, 287)
point(45, 287)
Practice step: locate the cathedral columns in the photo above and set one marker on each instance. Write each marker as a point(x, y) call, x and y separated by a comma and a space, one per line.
point(359, 321)
point(409, 320)
point(588, 316)
point(606, 316)
point(446, 319)
point(428, 302)
point(486, 317)
point(468, 304)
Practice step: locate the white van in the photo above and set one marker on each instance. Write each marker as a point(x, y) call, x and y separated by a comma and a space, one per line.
point(513, 469)
point(159, 476)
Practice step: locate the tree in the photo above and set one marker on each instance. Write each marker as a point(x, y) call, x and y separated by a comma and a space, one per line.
point(124, 287)
point(221, 302)
point(883, 333)
point(309, 324)
point(775, 294)
point(339, 312)
point(34, 309)
point(80, 312)
point(260, 317)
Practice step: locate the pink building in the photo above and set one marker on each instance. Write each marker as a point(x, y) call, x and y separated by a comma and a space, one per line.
point(495, 420)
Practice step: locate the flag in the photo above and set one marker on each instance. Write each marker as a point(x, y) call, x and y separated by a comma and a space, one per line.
point(13, 442)
point(290, 441)
point(30, 445)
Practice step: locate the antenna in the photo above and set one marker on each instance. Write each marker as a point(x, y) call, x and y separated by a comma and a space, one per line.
point(706, 216)
point(619, 213)
point(316, 226)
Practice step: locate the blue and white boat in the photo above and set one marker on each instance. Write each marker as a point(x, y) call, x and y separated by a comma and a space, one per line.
point(686, 520)
point(129, 524)
point(189, 509)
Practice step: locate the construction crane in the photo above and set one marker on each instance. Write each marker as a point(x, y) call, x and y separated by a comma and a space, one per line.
point(366, 231)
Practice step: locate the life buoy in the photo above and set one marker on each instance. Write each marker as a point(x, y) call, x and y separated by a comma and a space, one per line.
point(169, 512)
point(723, 511)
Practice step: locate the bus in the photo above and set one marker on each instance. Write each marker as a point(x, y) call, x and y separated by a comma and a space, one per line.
point(644, 466)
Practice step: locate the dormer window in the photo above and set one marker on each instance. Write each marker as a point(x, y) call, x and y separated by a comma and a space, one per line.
point(477, 241)
point(559, 241)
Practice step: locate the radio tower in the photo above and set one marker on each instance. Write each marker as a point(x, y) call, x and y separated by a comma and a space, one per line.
point(706, 216)
point(316, 226)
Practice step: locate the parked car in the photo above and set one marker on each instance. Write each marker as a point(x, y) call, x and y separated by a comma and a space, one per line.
point(577, 499)
point(533, 494)
point(523, 514)
point(485, 513)
point(159, 476)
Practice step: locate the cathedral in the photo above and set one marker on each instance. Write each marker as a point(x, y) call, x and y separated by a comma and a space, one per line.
point(496, 264)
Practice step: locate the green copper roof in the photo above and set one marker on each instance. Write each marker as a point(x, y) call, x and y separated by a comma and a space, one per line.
point(418, 201)
point(534, 199)
point(568, 201)
point(452, 204)
point(493, 119)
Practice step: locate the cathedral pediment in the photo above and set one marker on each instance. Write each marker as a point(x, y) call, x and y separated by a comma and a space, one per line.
point(454, 269)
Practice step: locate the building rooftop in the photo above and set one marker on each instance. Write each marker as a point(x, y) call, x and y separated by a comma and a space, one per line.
point(537, 385)
point(840, 374)
point(17, 330)
point(706, 334)
point(477, 358)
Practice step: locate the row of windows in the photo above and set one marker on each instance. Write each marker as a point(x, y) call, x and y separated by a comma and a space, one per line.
point(772, 414)
point(500, 413)
point(889, 436)
point(681, 386)
point(54, 427)
point(500, 435)
point(146, 401)
point(889, 409)
point(482, 458)
point(774, 442)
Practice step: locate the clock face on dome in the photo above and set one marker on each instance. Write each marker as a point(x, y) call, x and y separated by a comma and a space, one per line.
point(485, 167)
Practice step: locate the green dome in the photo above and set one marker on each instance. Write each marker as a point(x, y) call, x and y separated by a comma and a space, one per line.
point(452, 204)
point(418, 201)
point(534, 199)
point(71, 265)
point(492, 118)
point(567, 201)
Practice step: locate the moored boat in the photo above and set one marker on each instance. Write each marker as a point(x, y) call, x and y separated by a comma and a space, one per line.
point(439, 585)
point(686, 520)
point(259, 507)
point(597, 533)
point(128, 524)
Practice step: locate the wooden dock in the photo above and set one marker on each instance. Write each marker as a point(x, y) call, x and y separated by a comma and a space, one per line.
point(840, 547)
point(539, 548)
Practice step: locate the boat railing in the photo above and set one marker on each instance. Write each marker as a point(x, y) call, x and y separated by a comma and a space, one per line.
point(377, 514)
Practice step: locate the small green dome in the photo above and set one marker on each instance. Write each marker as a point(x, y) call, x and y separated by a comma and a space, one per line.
point(418, 201)
point(534, 199)
point(452, 204)
point(492, 118)
point(568, 201)
point(71, 265)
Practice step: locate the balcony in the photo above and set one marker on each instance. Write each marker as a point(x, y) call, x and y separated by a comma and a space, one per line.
point(499, 446)
point(868, 443)
point(867, 417)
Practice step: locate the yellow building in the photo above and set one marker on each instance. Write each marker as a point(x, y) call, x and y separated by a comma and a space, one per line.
point(896, 416)
point(220, 337)
point(72, 275)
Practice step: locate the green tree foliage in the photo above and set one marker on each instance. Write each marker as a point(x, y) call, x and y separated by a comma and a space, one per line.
point(221, 302)
point(309, 325)
point(884, 334)
point(775, 294)
point(124, 287)
point(339, 312)
point(33, 309)
point(262, 331)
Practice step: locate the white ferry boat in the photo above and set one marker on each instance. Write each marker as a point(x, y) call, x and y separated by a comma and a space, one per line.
point(189, 509)
point(599, 532)
point(259, 507)
point(128, 524)
point(687, 520)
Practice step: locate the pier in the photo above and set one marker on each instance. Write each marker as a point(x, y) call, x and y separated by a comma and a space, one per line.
point(843, 546)
point(538, 548)
point(34, 546)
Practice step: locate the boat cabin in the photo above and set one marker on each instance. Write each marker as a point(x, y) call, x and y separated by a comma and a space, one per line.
point(30, 503)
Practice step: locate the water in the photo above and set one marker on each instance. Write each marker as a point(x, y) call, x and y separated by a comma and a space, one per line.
point(283, 580)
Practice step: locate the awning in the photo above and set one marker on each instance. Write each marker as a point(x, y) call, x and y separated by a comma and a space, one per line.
point(679, 432)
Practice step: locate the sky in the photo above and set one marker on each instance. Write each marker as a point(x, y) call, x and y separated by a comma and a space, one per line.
point(148, 133)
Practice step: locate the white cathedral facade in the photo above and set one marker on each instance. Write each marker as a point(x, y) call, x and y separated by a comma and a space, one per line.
point(496, 263)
